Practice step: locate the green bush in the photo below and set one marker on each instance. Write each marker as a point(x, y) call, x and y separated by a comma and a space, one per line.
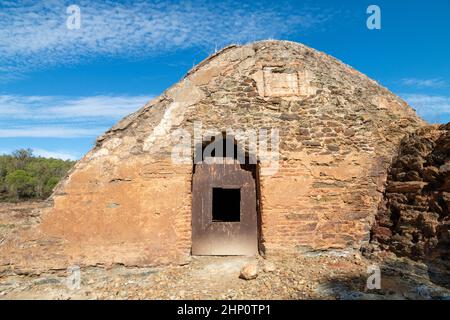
point(24, 176)
point(21, 184)
point(50, 185)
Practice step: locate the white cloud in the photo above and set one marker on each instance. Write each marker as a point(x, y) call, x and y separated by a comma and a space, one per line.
point(59, 107)
point(33, 34)
point(424, 83)
point(433, 108)
point(50, 132)
point(56, 154)
point(63, 117)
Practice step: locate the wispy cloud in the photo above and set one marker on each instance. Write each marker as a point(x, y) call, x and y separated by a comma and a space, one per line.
point(63, 117)
point(56, 154)
point(433, 108)
point(424, 83)
point(33, 34)
point(49, 132)
point(57, 107)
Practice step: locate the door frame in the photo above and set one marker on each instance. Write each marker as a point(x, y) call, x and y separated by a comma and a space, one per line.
point(224, 238)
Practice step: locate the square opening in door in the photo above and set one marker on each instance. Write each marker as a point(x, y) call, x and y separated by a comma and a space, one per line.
point(226, 205)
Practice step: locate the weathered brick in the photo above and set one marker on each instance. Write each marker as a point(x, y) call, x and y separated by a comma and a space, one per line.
point(313, 198)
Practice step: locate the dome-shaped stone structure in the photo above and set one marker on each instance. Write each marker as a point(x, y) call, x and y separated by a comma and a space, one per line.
point(127, 201)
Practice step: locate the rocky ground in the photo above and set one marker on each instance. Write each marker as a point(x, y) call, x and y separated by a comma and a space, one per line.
point(311, 275)
point(15, 217)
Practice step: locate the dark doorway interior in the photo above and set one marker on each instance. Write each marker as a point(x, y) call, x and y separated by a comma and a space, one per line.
point(226, 205)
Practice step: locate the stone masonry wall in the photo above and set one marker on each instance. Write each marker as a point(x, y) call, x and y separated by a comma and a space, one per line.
point(126, 202)
point(414, 219)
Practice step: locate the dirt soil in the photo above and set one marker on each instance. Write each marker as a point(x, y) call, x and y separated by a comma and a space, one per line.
point(309, 275)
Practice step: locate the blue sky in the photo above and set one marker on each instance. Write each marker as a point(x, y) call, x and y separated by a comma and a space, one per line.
point(60, 88)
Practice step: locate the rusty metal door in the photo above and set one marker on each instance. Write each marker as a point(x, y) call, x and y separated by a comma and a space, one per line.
point(212, 237)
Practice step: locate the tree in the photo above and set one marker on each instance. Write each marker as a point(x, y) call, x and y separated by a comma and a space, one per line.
point(2, 184)
point(24, 176)
point(21, 184)
point(22, 156)
point(49, 186)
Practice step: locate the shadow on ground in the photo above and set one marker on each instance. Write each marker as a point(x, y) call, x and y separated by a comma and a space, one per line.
point(401, 279)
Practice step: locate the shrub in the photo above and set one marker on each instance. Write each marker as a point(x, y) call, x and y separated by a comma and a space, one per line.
point(21, 184)
point(24, 176)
